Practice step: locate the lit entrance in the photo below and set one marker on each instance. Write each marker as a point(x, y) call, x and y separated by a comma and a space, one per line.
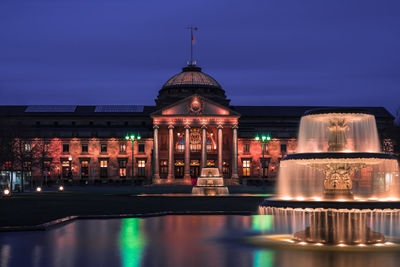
point(194, 168)
point(179, 168)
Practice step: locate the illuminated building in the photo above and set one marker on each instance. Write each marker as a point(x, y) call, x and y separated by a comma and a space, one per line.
point(192, 125)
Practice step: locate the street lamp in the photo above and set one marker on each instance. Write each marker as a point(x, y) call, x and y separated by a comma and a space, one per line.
point(132, 138)
point(263, 139)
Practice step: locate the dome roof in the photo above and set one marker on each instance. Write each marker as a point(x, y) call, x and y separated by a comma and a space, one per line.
point(191, 76)
point(189, 82)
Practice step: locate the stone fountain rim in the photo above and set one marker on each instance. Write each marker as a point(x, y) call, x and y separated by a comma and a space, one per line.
point(331, 204)
point(339, 155)
point(344, 110)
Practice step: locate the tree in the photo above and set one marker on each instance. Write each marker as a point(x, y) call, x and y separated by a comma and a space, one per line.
point(41, 156)
point(6, 143)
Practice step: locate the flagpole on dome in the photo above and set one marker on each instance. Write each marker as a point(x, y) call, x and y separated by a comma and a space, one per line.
point(192, 41)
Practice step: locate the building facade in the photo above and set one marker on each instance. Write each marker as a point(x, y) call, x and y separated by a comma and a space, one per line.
point(191, 126)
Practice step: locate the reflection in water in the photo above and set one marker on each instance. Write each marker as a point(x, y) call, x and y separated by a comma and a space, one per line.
point(264, 258)
point(169, 241)
point(262, 223)
point(335, 259)
point(131, 242)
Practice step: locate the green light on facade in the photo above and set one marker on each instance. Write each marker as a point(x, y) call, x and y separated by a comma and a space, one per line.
point(131, 242)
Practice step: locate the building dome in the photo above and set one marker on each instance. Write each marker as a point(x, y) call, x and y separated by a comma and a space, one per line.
point(192, 76)
point(191, 81)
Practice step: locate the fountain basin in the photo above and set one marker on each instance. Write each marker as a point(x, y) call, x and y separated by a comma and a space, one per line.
point(333, 225)
point(339, 155)
point(210, 183)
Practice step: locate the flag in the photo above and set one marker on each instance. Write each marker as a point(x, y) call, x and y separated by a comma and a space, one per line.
point(193, 40)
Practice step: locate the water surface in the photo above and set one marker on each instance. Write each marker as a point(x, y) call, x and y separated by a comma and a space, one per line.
point(186, 240)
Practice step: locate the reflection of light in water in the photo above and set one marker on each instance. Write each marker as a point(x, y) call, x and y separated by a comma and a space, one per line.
point(5, 255)
point(131, 242)
point(335, 226)
point(261, 222)
point(264, 258)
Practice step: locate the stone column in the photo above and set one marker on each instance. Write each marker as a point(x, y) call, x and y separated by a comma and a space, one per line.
point(204, 146)
point(171, 151)
point(156, 175)
point(235, 176)
point(220, 160)
point(186, 177)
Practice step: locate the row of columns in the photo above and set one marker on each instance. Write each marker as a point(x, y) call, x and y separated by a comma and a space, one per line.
point(171, 151)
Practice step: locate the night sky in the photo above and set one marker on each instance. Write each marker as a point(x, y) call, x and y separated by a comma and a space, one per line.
point(267, 52)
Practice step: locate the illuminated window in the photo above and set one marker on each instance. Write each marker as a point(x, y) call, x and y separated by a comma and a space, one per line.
point(27, 148)
point(141, 168)
point(122, 168)
point(122, 148)
point(85, 148)
point(181, 144)
point(65, 148)
point(246, 167)
point(85, 169)
point(211, 163)
point(103, 168)
point(164, 166)
point(66, 168)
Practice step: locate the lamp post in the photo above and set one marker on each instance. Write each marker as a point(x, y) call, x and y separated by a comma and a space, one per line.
point(132, 138)
point(70, 167)
point(263, 139)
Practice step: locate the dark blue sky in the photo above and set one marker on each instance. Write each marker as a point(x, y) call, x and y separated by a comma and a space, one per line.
point(267, 52)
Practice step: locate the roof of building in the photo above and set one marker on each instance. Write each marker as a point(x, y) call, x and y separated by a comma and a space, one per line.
point(191, 76)
point(298, 111)
point(188, 82)
point(140, 110)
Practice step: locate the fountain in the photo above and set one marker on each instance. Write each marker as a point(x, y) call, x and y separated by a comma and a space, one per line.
point(210, 183)
point(338, 183)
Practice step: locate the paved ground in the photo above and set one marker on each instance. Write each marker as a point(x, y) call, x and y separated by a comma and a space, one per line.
point(36, 208)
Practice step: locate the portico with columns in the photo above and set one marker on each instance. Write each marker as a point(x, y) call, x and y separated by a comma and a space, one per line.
point(191, 134)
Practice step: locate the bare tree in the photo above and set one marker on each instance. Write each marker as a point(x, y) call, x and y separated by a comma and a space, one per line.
point(41, 155)
point(6, 143)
